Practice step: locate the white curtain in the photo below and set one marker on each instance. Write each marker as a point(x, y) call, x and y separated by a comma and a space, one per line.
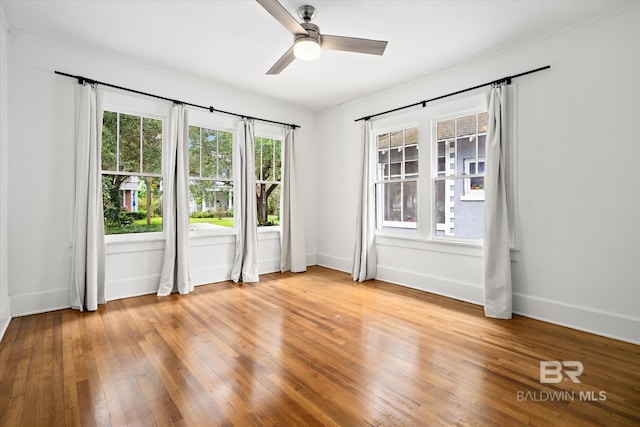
point(364, 258)
point(292, 245)
point(245, 263)
point(87, 281)
point(497, 260)
point(175, 192)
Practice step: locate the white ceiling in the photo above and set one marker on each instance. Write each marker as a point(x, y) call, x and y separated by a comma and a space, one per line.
point(234, 42)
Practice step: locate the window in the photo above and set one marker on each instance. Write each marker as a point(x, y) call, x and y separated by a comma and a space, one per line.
point(210, 178)
point(458, 181)
point(397, 178)
point(430, 171)
point(131, 173)
point(268, 158)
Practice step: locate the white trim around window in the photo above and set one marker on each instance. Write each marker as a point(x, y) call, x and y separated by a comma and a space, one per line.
point(426, 231)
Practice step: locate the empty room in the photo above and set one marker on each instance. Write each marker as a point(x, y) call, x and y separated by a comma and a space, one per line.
point(319, 213)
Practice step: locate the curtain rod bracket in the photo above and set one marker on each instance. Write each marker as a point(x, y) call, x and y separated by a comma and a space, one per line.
point(424, 104)
point(211, 109)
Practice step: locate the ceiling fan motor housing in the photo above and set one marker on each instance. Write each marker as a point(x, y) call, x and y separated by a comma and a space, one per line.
point(313, 32)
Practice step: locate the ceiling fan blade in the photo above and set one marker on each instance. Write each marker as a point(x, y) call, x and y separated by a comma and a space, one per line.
point(280, 13)
point(282, 63)
point(353, 44)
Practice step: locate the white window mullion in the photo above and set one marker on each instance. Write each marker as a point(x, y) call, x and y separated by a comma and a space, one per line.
point(140, 142)
point(117, 141)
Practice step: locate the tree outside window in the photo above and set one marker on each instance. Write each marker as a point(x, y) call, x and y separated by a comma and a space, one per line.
point(268, 164)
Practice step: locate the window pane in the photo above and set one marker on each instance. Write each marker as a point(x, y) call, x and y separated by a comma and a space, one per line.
point(194, 151)
point(395, 170)
point(396, 154)
point(445, 129)
point(481, 145)
point(383, 156)
point(383, 141)
point(466, 150)
point(411, 168)
point(277, 147)
point(258, 158)
point(456, 217)
point(132, 204)
point(466, 125)
point(396, 138)
point(109, 139)
point(129, 143)
point(225, 155)
point(209, 153)
point(383, 171)
point(410, 201)
point(268, 203)
point(210, 204)
point(482, 122)
point(151, 146)
point(439, 201)
point(411, 136)
point(411, 152)
point(267, 160)
point(393, 201)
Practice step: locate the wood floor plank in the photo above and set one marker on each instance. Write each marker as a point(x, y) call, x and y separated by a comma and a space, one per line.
point(306, 349)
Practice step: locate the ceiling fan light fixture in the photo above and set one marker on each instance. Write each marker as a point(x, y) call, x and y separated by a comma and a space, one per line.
point(306, 49)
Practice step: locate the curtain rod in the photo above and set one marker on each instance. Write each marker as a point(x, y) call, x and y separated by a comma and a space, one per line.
point(82, 80)
point(506, 80)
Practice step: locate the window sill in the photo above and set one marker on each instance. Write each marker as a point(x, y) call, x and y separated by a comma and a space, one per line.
point(456, 247)
point(140, 242)
point(134, 237)
point(447, 246)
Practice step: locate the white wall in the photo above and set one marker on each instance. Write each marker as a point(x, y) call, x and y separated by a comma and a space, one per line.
point(578, 155)
point(5, 303)
point(579, 216)
point(41, 176)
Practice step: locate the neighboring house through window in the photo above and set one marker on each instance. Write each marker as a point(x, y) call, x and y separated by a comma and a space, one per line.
point(397, 178)
point(458, 184)
point(210, 178)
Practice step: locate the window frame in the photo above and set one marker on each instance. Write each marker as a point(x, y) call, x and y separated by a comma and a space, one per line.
point(204, 119)
point(428, 167)
point(118, 102)
point(479, 107)
point(389, 127)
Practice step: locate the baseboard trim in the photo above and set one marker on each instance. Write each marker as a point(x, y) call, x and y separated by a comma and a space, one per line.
point(462, 291)
point(40, 302)
point(134, 287)
point(5, 317)
point(598, 322)
point(336, 263)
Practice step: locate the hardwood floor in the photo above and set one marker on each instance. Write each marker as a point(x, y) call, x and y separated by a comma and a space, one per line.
point(307, 349)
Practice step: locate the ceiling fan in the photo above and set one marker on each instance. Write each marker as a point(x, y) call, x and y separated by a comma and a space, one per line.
point(307, 39)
